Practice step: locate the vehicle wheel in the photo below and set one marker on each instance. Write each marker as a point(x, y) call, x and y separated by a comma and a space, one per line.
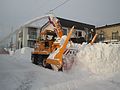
point(40, 60)
point(34, 60)
point(46, 65)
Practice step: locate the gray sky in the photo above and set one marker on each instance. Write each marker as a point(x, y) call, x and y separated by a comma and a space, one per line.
point(14, 13)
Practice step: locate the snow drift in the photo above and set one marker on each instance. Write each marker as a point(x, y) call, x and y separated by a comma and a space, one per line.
point(100, 58)
point(23, 54)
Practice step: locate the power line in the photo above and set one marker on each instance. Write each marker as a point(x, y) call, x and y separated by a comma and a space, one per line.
point(58, 6)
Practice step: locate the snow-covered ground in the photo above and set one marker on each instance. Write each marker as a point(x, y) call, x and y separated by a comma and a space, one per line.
point(96, 67)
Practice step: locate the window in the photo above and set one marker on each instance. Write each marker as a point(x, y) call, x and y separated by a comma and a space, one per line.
point(115, 35)
point(101, 37)
point(31, 43)
point(79, 33)
point(21, 34)
point(65, 31)
point(32, 33)
point(32, 36)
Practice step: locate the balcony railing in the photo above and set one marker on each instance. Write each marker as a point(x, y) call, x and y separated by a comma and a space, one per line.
point(32, 37)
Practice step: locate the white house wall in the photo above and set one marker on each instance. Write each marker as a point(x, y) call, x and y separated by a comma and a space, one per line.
point(25, 37)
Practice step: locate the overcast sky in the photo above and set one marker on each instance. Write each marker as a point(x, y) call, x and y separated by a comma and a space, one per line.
point(14, 13)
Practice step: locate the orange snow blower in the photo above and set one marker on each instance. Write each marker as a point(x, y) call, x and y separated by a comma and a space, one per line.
point(44, 47)
point(49, 51)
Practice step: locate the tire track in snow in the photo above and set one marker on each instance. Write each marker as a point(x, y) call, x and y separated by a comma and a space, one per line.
point(26, 83)
point(115, 83)
point(69, 85)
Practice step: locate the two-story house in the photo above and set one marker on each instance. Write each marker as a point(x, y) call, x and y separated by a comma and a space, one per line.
point(28, 35)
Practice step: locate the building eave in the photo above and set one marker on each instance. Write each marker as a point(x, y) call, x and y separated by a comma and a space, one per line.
point(107, 26)
point(78, 25)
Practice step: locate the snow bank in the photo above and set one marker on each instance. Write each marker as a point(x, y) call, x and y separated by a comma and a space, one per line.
point(11, 52)
point(24, 53)
point(100, 58)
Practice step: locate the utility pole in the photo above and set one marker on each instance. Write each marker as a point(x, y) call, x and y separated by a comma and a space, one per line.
point(11, 42)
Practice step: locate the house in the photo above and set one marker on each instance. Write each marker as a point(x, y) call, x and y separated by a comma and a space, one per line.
point(109, 33)
point(28, 35)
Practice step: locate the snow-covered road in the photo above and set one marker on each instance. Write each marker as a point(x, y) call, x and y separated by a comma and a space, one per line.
point(18, 73)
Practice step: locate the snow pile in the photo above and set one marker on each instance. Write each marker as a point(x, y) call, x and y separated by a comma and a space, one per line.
point(24, 53)
point(100, 58)
point(11, 52)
